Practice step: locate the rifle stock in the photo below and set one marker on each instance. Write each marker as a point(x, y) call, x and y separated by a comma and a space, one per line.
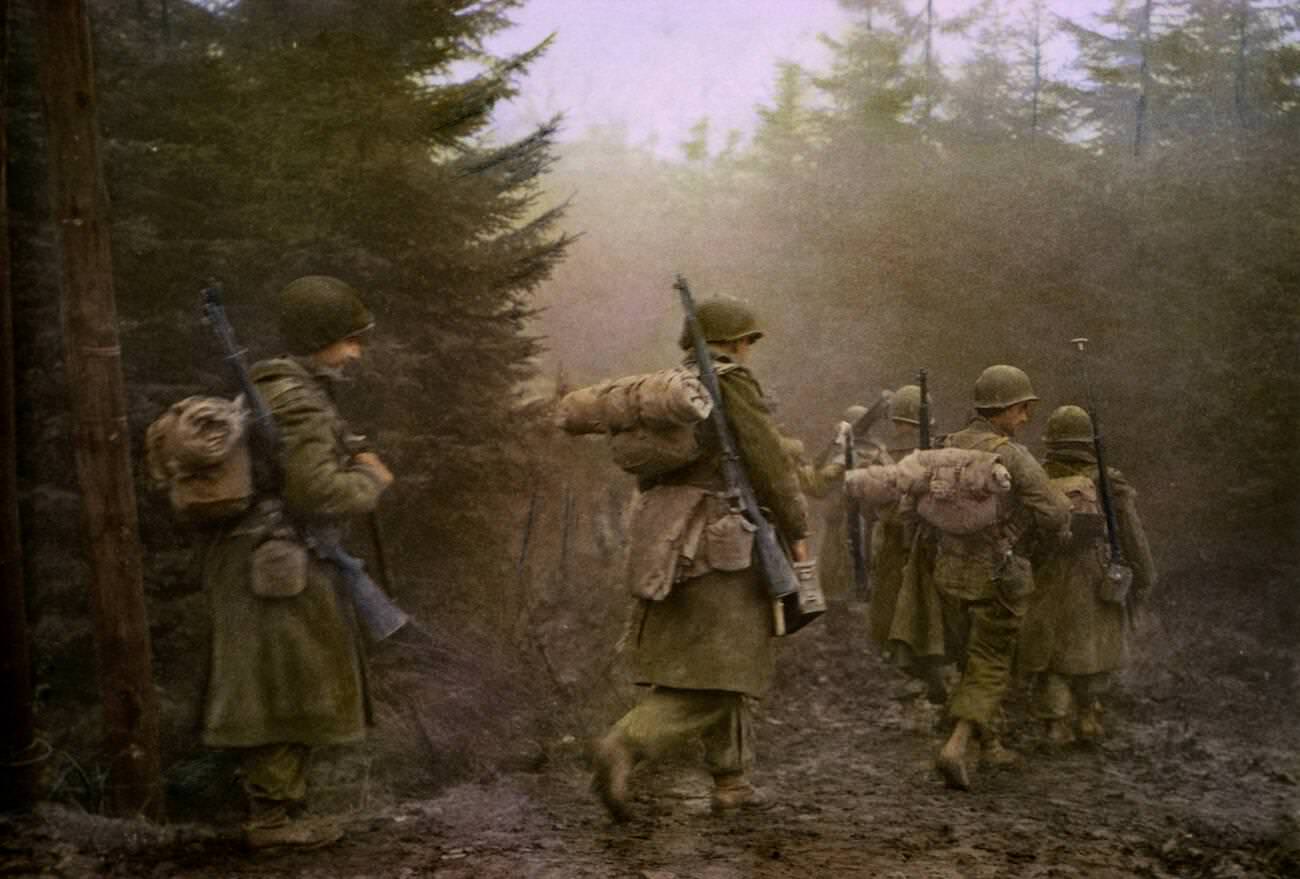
point(795, 604)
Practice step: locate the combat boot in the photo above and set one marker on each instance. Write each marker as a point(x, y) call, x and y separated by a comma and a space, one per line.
point(951, 761)
point(273, 825)
point(1059, 733)
point(1090, 726)
point(613, 765)
point(734, 791)
point(997, 755)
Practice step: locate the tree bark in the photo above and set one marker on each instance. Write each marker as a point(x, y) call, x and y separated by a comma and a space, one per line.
point(17, 769)
point(98, 403)
point(1144, 80)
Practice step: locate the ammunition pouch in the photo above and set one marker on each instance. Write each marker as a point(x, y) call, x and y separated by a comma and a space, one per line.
point(1115, 586)
point(729, 543)
point(279, 568)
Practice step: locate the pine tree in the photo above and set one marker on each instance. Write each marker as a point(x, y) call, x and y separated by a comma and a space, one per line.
point(1124, 62)
point(266, 140)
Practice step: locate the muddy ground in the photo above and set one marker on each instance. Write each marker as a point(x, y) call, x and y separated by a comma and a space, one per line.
point(1198, 778)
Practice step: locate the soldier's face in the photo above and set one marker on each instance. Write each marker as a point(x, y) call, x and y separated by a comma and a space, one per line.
point(1011, 419)
point(743, 348)
point(340, 355)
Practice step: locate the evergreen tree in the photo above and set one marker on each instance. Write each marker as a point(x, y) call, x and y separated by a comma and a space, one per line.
point(1124, 63)
point(266, 140)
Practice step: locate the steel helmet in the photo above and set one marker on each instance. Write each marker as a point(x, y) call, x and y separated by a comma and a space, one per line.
point(905, 405)
point(1068, 424)
point(722, 320)
point(316, 311)
point(1001, 386)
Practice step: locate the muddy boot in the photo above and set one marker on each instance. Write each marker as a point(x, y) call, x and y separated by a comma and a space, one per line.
point(1058, 733)
point(1090, 727)
point(996, 755)
point(951, 761)
point(275, 825)
point(935, 691)
point(733, 792)
point(613, 764)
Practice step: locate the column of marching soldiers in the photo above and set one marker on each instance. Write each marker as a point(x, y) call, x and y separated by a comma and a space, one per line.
point(986, 565)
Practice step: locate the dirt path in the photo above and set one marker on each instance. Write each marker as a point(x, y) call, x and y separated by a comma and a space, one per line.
point(1193, 782)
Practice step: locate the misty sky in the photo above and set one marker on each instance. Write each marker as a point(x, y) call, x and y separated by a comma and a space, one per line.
point(658, 66)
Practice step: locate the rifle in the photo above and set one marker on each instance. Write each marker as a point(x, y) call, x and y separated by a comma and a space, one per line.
point(923, 414)
point(853, 521)
point(855, 526)
point(380, 617)
point(858, 428)
point(796, 598)
point(1119, 575)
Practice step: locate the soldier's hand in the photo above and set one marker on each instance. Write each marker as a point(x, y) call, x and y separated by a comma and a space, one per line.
point(799, 551)
point(371, 462)
point(842, 434)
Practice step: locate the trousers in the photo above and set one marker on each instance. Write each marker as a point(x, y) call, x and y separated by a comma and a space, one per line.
point(667, 719)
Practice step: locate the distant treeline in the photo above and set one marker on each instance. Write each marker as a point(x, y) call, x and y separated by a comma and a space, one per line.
point(894, 212)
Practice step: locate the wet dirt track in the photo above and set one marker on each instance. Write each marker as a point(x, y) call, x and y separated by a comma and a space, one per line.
point(1196, 780)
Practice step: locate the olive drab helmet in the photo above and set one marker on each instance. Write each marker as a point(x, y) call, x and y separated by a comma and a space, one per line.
point(316, 311)
point(853, 413)
point(905, 405)
point(722, 320)
point(1068, 424)
point(1001, 386)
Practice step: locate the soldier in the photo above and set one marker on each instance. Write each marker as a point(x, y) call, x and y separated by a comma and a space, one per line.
point(1073, 639)
point(984, 579)
point(705, 649)
point(824, 480)
point(286, 672)
point(891, 547)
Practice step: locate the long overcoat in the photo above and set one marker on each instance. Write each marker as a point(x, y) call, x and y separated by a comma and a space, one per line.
point(288, 669)
point(834, 558)
point(713, 629)
point(1068, 629)
point(890, 548)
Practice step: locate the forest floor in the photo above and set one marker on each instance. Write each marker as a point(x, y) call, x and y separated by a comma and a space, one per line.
point(1197, 778)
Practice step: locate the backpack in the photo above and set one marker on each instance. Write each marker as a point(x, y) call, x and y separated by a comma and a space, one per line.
point(198, 451)
point(961, 489)
point(1087, 522)
point(955, 490)
point(650, 420)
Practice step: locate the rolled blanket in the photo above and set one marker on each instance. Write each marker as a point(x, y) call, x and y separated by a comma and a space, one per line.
point(666, 398)
point(876, 486)
point(194, 435)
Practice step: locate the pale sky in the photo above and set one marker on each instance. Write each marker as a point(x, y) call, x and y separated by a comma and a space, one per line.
point(658, 66)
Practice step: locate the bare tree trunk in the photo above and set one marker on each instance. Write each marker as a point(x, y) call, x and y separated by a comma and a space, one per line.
point(17, 771)
point(1037, 37)
point(1144, 79)
point(98, 402)
point(1240, 90)
point(929, 62)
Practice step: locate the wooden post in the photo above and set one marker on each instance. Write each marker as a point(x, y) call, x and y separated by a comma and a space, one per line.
point(17, 771)
point(98, 401)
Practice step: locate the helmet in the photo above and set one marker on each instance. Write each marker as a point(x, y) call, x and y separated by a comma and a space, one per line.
point(853, 413)
point(722, 320)
point(1001, 386)
point(1068, 424)
point(316, 311)
point(905, 405)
